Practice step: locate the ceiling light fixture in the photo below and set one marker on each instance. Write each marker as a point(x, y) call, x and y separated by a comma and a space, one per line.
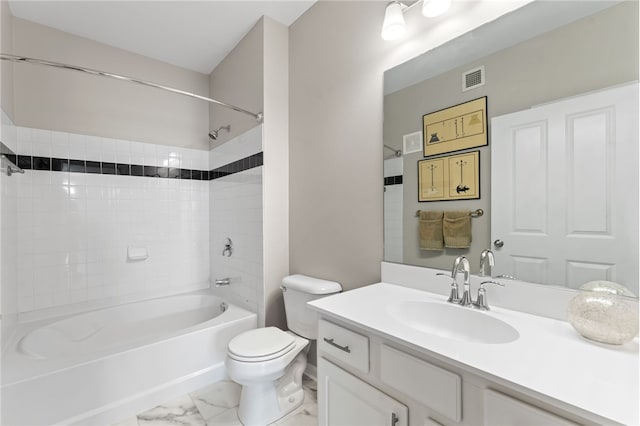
point(433, 8)
point(394, 27)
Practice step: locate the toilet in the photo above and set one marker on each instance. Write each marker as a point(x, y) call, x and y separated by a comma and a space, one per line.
point(269, 362)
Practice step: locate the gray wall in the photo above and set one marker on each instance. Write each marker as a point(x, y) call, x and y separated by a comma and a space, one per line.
point(60, 100)
point(276, 168)
point(6, 70)
point(589, 54)
point(255, 76)
point(238, 80)
point(337, 60)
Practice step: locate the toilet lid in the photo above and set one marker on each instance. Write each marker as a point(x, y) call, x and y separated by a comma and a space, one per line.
point(260, 343)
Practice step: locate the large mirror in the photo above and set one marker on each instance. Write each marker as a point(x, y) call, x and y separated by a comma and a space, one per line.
point(546, 56)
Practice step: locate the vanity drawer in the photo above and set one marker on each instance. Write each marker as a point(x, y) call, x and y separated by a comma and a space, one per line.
point(344, 345)
point(432, 386)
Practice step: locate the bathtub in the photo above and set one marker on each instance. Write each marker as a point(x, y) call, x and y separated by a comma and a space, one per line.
point(99, 367)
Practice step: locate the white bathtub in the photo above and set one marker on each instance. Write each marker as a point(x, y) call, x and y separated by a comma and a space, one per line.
point(101, 366)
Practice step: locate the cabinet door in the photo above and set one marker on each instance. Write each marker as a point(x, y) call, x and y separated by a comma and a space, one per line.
point(500, 410)
point(345, 400)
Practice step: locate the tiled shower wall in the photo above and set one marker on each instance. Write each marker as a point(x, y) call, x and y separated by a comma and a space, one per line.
point(8, 235)
point(75, 227)
point(236, 213)
point(393, 210)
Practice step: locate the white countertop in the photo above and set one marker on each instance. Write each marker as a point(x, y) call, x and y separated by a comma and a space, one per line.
point(550, 357)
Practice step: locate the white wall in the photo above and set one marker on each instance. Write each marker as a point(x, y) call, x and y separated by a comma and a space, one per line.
point(75, 227)
point(235, 212)
point(337, 60)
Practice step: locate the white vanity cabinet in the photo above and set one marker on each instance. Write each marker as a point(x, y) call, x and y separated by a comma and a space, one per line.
point(366, 379)
point(349, 401)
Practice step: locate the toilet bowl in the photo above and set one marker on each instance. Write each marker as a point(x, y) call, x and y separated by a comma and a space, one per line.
point(271, 378)
point(269, 362)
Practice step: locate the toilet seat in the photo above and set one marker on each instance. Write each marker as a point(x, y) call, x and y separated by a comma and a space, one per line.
point(261, 344)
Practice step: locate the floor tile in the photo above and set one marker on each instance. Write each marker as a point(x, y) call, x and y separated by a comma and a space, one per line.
point(217, 398)
point(181, 411)
point(226, 418)
point(217, 405)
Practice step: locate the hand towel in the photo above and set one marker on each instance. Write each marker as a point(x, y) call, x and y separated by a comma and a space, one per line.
point(430, 229)
point(456, 228)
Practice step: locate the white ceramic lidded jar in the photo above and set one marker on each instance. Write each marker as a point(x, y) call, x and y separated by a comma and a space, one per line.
point(605, 311)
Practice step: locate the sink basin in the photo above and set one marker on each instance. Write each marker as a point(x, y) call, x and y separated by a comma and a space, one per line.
point(453, 322)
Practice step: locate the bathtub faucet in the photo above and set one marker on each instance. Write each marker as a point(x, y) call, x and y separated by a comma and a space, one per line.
point(223, 282)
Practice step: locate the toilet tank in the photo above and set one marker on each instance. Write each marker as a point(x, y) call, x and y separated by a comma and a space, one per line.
point(297, 291)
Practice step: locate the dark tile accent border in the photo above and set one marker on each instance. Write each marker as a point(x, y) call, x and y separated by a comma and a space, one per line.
point(28, 162)
point(255, 160)
point(59, 165)
point(123, 169)
point(108, 168)
point(393, 180)
point(41, 163)
point(93, 167)
point(24, 162)
point(77, 166)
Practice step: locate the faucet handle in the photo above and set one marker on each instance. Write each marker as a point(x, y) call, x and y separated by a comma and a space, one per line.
point(454, 297)
point(481, 302)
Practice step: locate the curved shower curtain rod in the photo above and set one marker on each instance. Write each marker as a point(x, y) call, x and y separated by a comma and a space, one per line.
point(23, 59)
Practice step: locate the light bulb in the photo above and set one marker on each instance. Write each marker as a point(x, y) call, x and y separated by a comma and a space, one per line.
point(433, 8)
point(393, 26)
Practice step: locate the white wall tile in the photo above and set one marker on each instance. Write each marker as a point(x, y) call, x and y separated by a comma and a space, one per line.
point(393, 167)
point(393, 248)
point(77, 147)
point(75, 227)
point(59, 145)
point(236, 212)
point(11, 298)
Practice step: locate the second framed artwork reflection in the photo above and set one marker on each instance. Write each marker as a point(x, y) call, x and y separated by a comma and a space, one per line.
point(454, 177)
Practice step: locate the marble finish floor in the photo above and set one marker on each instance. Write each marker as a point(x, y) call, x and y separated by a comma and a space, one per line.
point(217, 405)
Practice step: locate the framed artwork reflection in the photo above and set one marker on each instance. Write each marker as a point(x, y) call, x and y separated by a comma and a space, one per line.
point(455, 128)
point(454, 177)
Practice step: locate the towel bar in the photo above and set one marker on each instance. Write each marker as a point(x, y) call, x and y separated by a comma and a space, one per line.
point(477, 213)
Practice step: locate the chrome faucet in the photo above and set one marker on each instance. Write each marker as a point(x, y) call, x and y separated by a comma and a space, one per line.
point(461, 263)
point(487, 262)
point(453, 296)
point(481, 302)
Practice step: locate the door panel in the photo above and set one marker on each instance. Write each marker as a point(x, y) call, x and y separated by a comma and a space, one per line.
point(565, 190)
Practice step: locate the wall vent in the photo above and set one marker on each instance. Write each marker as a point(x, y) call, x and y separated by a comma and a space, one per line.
point(473, 78)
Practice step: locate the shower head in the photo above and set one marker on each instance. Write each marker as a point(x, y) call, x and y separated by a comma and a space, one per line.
point(213, 135)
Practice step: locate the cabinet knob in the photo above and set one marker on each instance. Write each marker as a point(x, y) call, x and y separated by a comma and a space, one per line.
point(498, 243)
